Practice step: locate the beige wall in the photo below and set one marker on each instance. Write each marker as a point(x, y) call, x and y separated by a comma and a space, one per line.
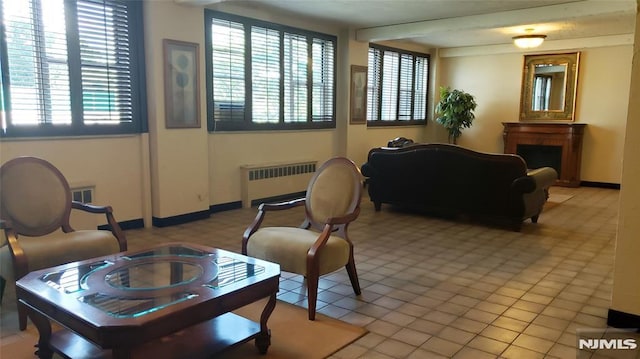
point(112, 165)
point(602, 98)
point(626, 282)
point(360, 138)
point(228, 151)
point(173, 172)
point(170, 172)
point(494, 80)
point(179, 160)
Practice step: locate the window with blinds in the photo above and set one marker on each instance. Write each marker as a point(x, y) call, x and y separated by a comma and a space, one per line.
point(262, 75)
point(397, 87)
point(71, 67)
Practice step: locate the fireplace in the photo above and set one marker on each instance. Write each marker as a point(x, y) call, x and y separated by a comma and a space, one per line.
point(538, 156)
point(551, 144)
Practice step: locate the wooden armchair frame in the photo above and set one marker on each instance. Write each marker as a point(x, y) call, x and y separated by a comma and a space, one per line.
point(14, 228)
point(334, 226)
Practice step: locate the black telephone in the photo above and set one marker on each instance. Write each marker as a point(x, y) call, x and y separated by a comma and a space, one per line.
point(400, 142)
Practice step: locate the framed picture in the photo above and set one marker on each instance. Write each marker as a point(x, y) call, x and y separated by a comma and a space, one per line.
point(181, 84)
point(358, 94)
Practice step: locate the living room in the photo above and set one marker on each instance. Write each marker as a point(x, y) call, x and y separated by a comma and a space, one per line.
point(164, 174)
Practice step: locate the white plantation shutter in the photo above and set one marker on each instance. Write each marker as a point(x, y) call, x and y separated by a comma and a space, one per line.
point(70, 67)
point(104, 57)
point(397, 86)
point(37, 62)
point(228, 72)
point(421, 71)
point(405, 87)
point(296, 70)
point(389, 101)
point(278, 77)
point(373, 84)
point(323, 80)
point(265, 68)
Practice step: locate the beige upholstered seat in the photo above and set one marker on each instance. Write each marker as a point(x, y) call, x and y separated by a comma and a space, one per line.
point(35, 205)
point(321, 244)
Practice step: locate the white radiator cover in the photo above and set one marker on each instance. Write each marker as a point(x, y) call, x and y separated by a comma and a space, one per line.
point(275, 179)
point(80, 219)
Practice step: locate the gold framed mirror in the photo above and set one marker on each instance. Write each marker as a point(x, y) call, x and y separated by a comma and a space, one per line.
point(549, 85)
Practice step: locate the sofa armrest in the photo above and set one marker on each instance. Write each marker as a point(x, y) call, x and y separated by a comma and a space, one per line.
point(524, 184)
point(544, 177)
point(367, 170)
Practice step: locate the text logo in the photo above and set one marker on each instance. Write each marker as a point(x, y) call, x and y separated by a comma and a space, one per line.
point(627, 344)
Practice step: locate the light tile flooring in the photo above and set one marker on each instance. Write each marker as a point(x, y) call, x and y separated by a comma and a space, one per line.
point(435, 288)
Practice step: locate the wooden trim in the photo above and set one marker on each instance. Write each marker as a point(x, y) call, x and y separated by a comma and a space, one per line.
point(600, 184)
point(179, 219)
point(225, 206)
point(130, 224)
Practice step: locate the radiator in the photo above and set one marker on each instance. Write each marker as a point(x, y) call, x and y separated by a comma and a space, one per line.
point(263, 181)
point(84, 192)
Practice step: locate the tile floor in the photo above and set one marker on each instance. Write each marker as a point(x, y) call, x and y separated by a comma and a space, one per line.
point(435, 288)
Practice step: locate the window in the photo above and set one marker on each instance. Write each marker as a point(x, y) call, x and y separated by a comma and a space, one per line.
point(541, 92)
point(262, 75)
point(72, 67)
point(397, 88)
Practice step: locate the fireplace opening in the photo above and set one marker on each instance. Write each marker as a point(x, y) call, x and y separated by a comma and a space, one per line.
point(537, 156)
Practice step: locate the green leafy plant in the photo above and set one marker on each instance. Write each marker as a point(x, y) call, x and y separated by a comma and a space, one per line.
point(455, 111)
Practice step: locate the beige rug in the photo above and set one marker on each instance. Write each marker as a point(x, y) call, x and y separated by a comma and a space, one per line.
point(293, 336)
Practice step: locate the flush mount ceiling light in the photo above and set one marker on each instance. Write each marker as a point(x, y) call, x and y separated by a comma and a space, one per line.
point(528, 41)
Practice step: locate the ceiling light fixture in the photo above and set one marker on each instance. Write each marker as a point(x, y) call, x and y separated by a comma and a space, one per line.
point(528, 41)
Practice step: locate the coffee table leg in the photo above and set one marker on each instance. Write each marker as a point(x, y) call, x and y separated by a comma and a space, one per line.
point(263, 340)
point(44, 330)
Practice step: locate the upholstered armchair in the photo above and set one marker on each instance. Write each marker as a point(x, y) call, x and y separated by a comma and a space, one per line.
point(35, 206)
point(321, 244)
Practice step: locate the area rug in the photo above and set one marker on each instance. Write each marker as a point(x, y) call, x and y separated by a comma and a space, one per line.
point(293, 336)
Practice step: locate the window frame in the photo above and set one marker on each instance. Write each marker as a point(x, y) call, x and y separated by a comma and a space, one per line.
point(247, 123)
point(77, 127)
point(378, 122)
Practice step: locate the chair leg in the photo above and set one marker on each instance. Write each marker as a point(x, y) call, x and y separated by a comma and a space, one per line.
point(22, 316)
point(312, 294)
point(353, 276)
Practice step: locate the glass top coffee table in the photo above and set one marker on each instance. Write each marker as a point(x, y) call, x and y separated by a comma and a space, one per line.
point(169, 301)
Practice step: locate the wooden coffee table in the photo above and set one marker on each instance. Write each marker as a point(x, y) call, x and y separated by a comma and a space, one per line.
point(169, 301)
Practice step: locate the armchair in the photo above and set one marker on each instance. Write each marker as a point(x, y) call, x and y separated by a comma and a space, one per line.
point(321, 244)
point(35, 206)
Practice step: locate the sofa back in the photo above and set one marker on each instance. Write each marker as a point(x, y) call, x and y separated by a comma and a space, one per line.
point(445, 176)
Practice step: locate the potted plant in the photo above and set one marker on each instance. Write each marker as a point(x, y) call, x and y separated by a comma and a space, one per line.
point(455, 111)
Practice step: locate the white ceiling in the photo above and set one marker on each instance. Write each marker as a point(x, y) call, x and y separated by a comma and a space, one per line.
point(461, 23)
